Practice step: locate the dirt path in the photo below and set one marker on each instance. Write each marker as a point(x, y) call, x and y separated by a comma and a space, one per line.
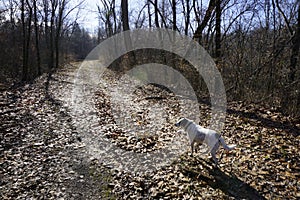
point(45, 155)
point(42, 155)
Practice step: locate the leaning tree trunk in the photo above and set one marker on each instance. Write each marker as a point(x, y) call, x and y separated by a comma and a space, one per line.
point(218, 32)
point(208, 14)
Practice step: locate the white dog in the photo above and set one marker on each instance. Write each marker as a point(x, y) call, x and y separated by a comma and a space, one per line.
point(198, 134)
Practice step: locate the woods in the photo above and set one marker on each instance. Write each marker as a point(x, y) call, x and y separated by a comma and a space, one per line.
point(39, 36)
point(255, 44)
point(74, 128)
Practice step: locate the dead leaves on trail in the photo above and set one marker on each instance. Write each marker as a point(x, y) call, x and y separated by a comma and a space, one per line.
point(265, 163)
point(143, 131)
point(42, 155)
point(267, 156)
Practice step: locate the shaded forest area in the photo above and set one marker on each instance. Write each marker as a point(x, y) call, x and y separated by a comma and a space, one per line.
point(255, 44)
point(39, 36)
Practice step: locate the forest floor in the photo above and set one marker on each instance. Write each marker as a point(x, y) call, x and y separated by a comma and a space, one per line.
point(43, 154)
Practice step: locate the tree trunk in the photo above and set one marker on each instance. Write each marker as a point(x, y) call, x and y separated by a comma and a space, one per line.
point(38, 57)
point(267, 13)
point(26, 32)
point(47, 40)
point(113, 10)
point(218, 31)
point(61, 9)
point(149, 13)
point(288, 96)
point(156, 14)
point(125, 22)
point(163, 13)
point(174, 14)
point(295, 49)
point(51, 63)
point(24, 67)
point(295, 58)
point(187, 18)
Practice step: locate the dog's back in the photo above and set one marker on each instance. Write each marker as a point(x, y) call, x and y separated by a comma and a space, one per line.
point(195, 132)
point(210, 136)
point(197, 136)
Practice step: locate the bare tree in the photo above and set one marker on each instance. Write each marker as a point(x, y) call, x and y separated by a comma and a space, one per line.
point(156, 13)
point(218, 30)
point(26, 30)
point(36, 27)
point(187, 8)
point(125, 21)
point(174, 14)
point(107, 15)
point(59, 23)
point(295, 48)
point(25, 67)
point(149, 13)
point(54, 5)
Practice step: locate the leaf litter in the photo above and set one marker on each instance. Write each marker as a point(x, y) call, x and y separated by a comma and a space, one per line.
point(43, 156)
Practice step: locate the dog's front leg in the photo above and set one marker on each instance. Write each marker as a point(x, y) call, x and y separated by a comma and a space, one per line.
point(192, 148)
point(197, 146)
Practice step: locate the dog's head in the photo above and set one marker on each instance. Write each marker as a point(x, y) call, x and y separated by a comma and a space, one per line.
point(182, 122)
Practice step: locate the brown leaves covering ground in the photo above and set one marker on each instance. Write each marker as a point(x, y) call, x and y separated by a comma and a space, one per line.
point(42, 156)
point(264, 165)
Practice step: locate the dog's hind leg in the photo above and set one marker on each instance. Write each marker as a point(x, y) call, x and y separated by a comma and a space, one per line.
point(213, 153)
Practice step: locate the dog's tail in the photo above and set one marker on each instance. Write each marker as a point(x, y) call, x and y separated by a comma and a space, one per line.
point(226, 147)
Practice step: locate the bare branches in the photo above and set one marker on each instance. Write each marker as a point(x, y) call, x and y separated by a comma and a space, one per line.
point(287, 23)
point(107, 15)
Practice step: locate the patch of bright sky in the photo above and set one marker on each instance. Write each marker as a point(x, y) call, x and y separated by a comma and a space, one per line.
point(89, 12)
point(88, 17)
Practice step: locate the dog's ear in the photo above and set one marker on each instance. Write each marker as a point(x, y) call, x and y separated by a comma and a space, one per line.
point(178, 123)
point(182, 119)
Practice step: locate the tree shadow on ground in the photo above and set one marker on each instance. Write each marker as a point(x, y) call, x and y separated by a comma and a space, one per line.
point(89, 179)
point(265, 122)
point(230, 185)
